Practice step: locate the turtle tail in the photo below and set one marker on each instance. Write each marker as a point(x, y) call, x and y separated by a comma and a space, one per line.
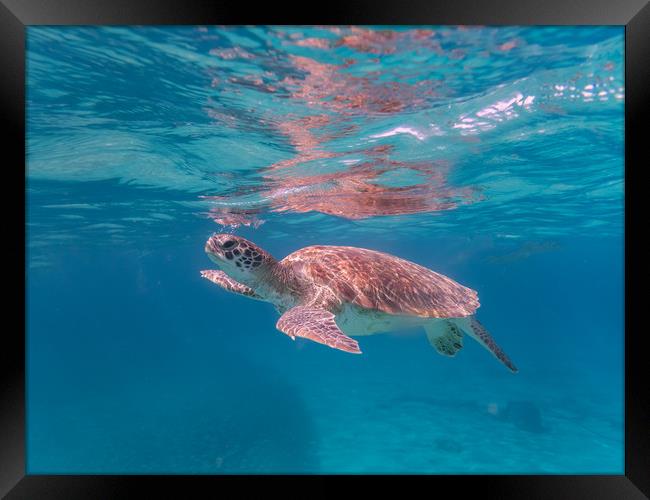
point(472, 327)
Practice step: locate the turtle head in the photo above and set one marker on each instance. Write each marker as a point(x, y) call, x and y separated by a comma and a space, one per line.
point(241, 259)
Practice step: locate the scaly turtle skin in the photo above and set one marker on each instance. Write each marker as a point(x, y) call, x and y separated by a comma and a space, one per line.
point(329, 293)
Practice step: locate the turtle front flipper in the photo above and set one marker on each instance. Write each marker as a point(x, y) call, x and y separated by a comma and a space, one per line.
point(317, 325)
point(223, 280)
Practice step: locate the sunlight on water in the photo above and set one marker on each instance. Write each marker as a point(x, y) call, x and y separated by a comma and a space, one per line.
point(353, 123)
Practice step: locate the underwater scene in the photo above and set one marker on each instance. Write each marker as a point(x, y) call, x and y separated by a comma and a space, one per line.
point(325, 250)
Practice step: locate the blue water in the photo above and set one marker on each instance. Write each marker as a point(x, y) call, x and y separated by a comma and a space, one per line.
point(493, 155)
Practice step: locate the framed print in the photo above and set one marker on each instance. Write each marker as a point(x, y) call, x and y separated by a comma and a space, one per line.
point(382, 242)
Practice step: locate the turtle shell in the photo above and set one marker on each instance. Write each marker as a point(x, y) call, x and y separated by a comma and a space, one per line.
point(383, 282)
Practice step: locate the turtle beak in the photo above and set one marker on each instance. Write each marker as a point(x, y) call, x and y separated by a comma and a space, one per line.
point(212, 249)
point(212, 245)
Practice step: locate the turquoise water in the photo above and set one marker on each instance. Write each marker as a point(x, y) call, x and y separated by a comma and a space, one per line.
point(493, 155)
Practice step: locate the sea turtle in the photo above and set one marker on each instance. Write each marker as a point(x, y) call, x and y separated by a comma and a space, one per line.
point(323, 291)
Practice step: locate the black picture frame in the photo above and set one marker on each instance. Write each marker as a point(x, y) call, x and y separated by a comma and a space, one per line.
point(16, 15)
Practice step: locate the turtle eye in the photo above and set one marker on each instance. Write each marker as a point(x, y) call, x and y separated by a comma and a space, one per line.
point(229, 244)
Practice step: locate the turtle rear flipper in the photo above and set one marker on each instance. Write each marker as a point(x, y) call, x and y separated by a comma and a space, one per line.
point(471, 326)
point(444, 336)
